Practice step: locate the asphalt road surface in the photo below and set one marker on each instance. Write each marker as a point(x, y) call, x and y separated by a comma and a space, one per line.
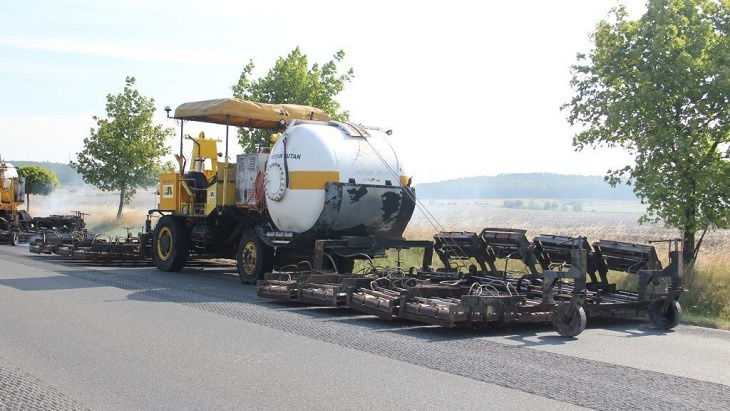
point(75, 337)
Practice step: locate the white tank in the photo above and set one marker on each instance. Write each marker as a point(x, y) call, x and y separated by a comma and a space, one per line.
point(8, 174)
point(309, 155)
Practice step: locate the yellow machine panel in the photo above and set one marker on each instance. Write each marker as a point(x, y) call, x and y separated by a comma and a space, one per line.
point(169, 191)
point(227, 188)
point(12, 188)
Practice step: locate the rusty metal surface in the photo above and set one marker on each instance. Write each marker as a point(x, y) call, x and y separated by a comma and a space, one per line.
point(361, 210)
point(474, 291)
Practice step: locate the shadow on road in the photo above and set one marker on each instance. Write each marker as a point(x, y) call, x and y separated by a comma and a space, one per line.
point(527, 334)
point(220, 284)
point(58, 282)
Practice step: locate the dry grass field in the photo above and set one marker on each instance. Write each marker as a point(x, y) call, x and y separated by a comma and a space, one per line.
point(615, 221)
point(706, 302)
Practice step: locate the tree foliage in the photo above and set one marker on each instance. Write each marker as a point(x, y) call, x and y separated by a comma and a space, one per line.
point(38, 180)
point(124, 152)
point(659, 87)
point(292, 81)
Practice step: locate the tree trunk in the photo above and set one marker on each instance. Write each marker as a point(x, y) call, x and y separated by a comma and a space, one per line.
point(27, 202)
point(688, 247)
point(688, 231)
point(121, 202)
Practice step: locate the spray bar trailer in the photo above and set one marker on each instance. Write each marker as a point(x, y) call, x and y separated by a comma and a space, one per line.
point(561, 280)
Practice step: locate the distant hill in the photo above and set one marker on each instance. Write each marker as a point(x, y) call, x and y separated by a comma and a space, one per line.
point(503, 186)
point(66, 175)
point(526, 185)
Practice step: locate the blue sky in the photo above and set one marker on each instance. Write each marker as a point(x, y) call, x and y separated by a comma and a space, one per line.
point(467, 90)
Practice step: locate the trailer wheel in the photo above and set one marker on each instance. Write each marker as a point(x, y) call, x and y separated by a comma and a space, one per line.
point(569, 319)
point(665, 319)
point(253, 259)
point(14, 236)
point(170, 244)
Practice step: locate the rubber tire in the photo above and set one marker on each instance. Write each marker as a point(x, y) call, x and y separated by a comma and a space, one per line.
point(665, 320)
point(253, 259)
point(170, 244)
point(14, 237)
point(568, 320)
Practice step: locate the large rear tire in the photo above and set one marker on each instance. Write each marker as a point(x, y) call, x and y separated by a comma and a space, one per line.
point(254, 258)
point(14, 237)
point(170, 244)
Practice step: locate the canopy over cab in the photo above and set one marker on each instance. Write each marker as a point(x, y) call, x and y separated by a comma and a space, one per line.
point(243, 113)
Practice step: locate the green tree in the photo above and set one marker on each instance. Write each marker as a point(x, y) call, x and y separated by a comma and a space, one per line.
point(292, 81)
point(659, 87)
point(124, 152)
point(38, 180)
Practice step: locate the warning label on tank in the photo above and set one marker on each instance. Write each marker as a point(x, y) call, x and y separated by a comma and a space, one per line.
point(167, 191)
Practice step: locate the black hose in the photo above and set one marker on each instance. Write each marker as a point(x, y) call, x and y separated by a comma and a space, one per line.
point(286, 166)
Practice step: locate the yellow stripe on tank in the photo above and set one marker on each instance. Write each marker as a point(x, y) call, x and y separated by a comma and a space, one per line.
point(311, 180)
point(315, 180)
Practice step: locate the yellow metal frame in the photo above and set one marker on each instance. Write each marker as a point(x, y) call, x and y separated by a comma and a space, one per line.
point(176, 194)
point(9, 195)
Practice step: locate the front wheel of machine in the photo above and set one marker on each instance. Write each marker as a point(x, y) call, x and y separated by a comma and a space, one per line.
point(569, 319)
point(665, 319)
point(254, 258)
point(14, 236)
point(170, 244)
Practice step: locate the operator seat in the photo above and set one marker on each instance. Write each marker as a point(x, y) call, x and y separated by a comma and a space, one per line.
point(199, 185)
